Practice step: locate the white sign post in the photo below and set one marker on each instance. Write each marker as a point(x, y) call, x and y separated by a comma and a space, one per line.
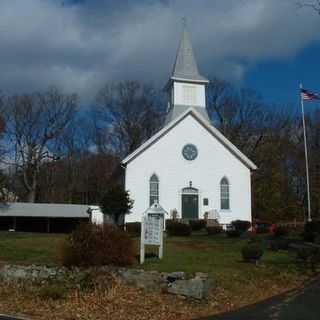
point(152, 225)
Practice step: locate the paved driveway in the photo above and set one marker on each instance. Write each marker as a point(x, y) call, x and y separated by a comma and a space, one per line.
point(300, 304)
point(6, 317)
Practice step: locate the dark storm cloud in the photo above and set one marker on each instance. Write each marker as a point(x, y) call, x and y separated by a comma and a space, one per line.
point(80, 45)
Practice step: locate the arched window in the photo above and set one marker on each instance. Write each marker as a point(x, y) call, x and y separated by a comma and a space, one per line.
point(154, 189)
point(225, 194)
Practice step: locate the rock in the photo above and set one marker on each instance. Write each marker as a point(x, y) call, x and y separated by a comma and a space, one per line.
point(143, 280)
point(172, 276)
point(98, 277)
point(196, 288)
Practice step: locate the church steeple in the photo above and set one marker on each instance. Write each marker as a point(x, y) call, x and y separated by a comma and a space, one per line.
point(185, 67)
point(186, 87)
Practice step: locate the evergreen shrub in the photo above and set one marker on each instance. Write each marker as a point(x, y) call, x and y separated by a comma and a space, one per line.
point(94, 245)
point(198, 224)
point(263, 230)
point(309, 236)
point(169, 222)
point(175, 228)
point(233, 233)
point(213, 230)
point(312, 226)
point(241, 225)
point(281, 231)
point(134, 228)
point(252, 252)
point(310, 256)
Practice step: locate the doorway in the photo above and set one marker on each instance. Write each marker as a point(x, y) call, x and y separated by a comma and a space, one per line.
point(190, 203)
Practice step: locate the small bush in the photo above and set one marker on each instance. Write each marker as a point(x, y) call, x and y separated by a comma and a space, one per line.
point(170, 222)
point(252, 253)
point(312, 226)
point(310, 256)
point(198, 224)
point(93, 245)
point(134, 228)
point(233, 233)
point(213, 230)
point(309, 236)
point(241, 225)
point(281, 231)
point(178, 229)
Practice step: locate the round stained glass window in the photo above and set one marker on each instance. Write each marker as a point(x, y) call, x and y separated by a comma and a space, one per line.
point(189, 152)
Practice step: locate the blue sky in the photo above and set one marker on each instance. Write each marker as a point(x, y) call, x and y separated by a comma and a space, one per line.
point(267, 45)
point(278, 80)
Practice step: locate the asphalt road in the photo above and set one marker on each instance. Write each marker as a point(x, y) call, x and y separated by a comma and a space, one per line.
point(300, 304)
point(6, 317)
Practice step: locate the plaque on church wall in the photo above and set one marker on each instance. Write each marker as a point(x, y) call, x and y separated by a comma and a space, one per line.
point(205, 201)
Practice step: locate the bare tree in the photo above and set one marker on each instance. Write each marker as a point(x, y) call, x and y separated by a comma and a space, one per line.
point(33, 123)
point(241, 114)
point(127, 114)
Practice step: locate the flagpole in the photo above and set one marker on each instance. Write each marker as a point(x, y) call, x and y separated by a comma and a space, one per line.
point(306, 155)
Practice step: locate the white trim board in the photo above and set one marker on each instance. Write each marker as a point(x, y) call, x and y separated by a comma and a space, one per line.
point(215, 132)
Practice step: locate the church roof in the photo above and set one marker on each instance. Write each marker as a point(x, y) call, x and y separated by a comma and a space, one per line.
point(179, 109)
point(185, 67)
point(51, 210)
point(203, 121)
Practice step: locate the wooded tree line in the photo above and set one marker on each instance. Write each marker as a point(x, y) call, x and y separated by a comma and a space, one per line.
point(54, 151)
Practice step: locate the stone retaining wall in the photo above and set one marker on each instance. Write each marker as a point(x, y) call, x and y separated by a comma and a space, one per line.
point(197, 286)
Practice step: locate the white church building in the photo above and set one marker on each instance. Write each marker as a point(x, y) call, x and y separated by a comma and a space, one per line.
point(189, 166)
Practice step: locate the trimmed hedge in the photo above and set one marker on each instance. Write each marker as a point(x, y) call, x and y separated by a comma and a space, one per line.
point(134, 228)
point(281, 231)
point(198, 224)
point(263, 230)
point(241, 225)
point(175, 228)
point(94, 245)
point(310, 256)
point(233, 233)
point(309, 236)
point(252, 253)
point(213, 230)
point(312, 226)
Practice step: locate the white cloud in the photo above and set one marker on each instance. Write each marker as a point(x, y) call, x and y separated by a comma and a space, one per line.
point(79, 46)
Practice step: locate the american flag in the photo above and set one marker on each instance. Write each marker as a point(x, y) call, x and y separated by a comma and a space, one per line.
point(308, 95)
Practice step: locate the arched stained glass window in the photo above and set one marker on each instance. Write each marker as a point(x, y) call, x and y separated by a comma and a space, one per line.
point(225, 194)
point(154, 189)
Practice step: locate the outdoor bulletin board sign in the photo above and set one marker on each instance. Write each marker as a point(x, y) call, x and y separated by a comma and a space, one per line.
point(152, 225)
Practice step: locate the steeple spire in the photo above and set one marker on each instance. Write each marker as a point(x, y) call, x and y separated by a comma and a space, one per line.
point(185, 67)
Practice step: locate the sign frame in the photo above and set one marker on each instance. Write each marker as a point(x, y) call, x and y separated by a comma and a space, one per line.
point(152, 226)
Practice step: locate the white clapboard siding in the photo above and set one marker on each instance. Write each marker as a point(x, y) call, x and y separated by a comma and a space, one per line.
point(214, 161)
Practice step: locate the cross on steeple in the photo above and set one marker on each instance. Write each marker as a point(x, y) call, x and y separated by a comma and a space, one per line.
point(184, 22)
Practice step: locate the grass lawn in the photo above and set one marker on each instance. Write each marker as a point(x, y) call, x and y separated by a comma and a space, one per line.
point(30, 248)
point(238, 283)
point(221, 258)
point(216, 255)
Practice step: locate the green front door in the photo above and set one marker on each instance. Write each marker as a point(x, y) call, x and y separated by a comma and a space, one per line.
point(190, 206)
